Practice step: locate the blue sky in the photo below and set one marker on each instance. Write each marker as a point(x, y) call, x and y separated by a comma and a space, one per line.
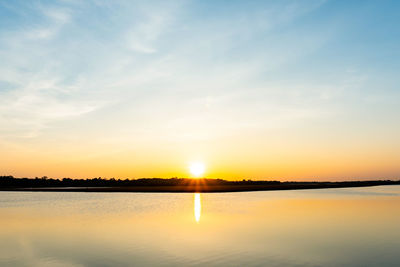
point(278, 82)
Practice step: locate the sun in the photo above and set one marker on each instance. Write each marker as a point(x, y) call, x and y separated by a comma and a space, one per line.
point(197, 169)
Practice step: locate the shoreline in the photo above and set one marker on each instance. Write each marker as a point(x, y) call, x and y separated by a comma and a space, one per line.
point(190, 188)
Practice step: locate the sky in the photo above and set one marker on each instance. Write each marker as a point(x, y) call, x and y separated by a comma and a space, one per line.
point(283, 90)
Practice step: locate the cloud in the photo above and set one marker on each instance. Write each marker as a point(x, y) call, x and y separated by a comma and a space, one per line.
point(149, 64)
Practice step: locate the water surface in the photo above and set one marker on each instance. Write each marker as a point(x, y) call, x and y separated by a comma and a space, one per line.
point(325, 227)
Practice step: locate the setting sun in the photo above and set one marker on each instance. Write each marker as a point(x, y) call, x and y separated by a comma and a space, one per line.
point(197, 169)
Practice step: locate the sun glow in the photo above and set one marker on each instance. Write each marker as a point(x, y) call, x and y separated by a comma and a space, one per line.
point(197, 169)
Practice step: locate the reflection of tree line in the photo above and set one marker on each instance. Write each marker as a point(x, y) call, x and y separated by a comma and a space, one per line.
point(10, 182)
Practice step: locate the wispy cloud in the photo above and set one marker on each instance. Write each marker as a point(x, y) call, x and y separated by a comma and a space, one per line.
point(65, 77)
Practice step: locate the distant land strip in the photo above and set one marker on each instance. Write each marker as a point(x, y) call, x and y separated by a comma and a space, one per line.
point(175, 185)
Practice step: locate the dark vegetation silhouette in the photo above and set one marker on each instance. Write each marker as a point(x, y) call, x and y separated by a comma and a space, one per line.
point(168, 185)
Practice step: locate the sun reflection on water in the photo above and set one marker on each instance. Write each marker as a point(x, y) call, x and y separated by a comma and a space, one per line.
point(197, 207)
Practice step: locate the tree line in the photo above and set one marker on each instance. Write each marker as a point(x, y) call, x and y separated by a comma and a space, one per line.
point(12, 182)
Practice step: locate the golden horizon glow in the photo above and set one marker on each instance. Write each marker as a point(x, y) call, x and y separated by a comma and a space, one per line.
point(197, 207)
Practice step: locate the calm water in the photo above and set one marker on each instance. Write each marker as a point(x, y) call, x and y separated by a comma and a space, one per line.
point(329, 227)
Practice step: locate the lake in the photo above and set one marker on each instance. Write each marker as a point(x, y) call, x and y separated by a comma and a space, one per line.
point(325, 227)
